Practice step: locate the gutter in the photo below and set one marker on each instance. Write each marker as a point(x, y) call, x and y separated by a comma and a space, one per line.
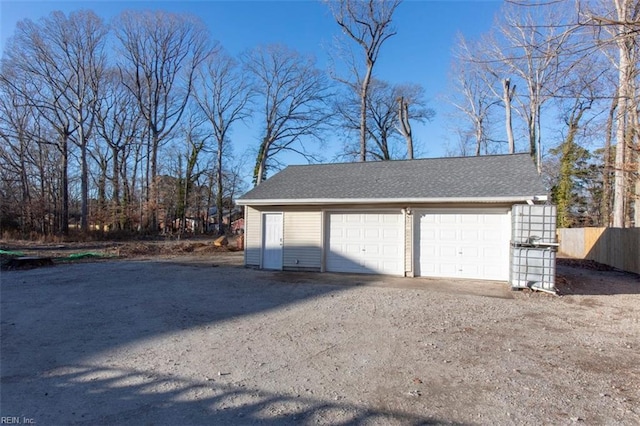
point(323, 201)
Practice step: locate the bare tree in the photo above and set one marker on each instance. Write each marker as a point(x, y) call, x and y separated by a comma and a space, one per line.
point(508, 91)
point(411, 106)
point(382, 112)
point(160, 53)
point(82, 40)
point(17, 122)
point(118, 123)
point(294, 95)
point(60, 62)
point(223, 95)
point(532, 51)
point(368, 23)
point(579, 92)
point(474, 100)
point(390, 110)
point(196, 142)
point(621, 24)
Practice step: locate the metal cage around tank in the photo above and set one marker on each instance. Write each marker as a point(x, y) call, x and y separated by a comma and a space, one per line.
point(533, 247)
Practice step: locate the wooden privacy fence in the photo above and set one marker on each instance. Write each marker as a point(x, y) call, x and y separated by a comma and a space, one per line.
point(617, 247)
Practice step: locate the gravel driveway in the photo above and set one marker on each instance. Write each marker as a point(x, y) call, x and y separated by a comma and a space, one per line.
point(203, 340)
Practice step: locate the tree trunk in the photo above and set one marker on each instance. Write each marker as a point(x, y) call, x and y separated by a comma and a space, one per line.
point(101, 218)
point(84, 187)
point(508, 92)
point(532, 136)
point(538, 140)
point(27, 208)
point(116, 190)
point(219, 189)
point(153, 189)
point(364, 93)
point(625, 46)
point(261, 162)
point(621, 115)
point(605, 204)
point(636, 160)
point(64, 188)
point(479, 136)
point(405, 125)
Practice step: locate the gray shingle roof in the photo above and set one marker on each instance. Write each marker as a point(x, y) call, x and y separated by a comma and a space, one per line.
point(498, 176)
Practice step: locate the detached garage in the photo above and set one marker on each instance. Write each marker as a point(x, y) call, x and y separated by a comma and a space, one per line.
point(446, 217)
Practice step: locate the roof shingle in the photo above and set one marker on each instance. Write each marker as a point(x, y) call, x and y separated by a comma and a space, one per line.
point(495, 176)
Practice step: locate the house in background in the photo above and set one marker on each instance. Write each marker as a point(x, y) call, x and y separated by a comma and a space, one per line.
point(231, 219)
point(445, 217)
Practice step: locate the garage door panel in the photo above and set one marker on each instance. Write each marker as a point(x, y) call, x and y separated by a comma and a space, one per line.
point(391, 233)
point(491, 236)
point(372, 233)
point(470, 235)
point(352, 232)
point(429, 234)
point(469, 271)
point(493, 270)
point(371, 249)
point(351, 218)
point(393, 218)
point(491, 252)
point(469, 219)
point(389, 250)
point(446, 219)
point(470, 253)
point(446, 269)
point(350, 249)
point(463, 244)
point(375, 243)
point(447, 235)
point(445, 251)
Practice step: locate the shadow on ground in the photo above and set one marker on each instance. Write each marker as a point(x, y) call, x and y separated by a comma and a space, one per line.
point(133, 395)
point(56, 321)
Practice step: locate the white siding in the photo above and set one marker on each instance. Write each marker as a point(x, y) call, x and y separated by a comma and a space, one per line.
point(252, 237)
point(303, 240)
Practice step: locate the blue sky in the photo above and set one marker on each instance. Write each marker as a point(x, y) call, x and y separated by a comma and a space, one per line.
point(419, 53)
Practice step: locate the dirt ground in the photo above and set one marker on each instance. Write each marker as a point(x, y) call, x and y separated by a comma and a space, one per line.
point(192, 337)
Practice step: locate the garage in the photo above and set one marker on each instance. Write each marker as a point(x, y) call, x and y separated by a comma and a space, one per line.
point(463, 244)
point(441, 217)
point(365, 242)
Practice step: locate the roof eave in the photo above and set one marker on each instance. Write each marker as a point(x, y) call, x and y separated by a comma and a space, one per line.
point(323, 201)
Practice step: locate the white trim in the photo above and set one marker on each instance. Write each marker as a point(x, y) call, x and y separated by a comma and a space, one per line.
point(408, 216)
point(324, 201)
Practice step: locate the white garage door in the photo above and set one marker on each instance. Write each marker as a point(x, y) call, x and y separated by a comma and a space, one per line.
point(367, 243)
point(462, 244)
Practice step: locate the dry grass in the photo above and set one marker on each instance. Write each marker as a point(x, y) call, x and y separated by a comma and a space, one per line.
point(112, 249)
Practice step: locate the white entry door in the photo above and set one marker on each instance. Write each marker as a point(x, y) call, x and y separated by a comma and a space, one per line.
point(464, 244)
point(272, 241)
point(365, 242)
